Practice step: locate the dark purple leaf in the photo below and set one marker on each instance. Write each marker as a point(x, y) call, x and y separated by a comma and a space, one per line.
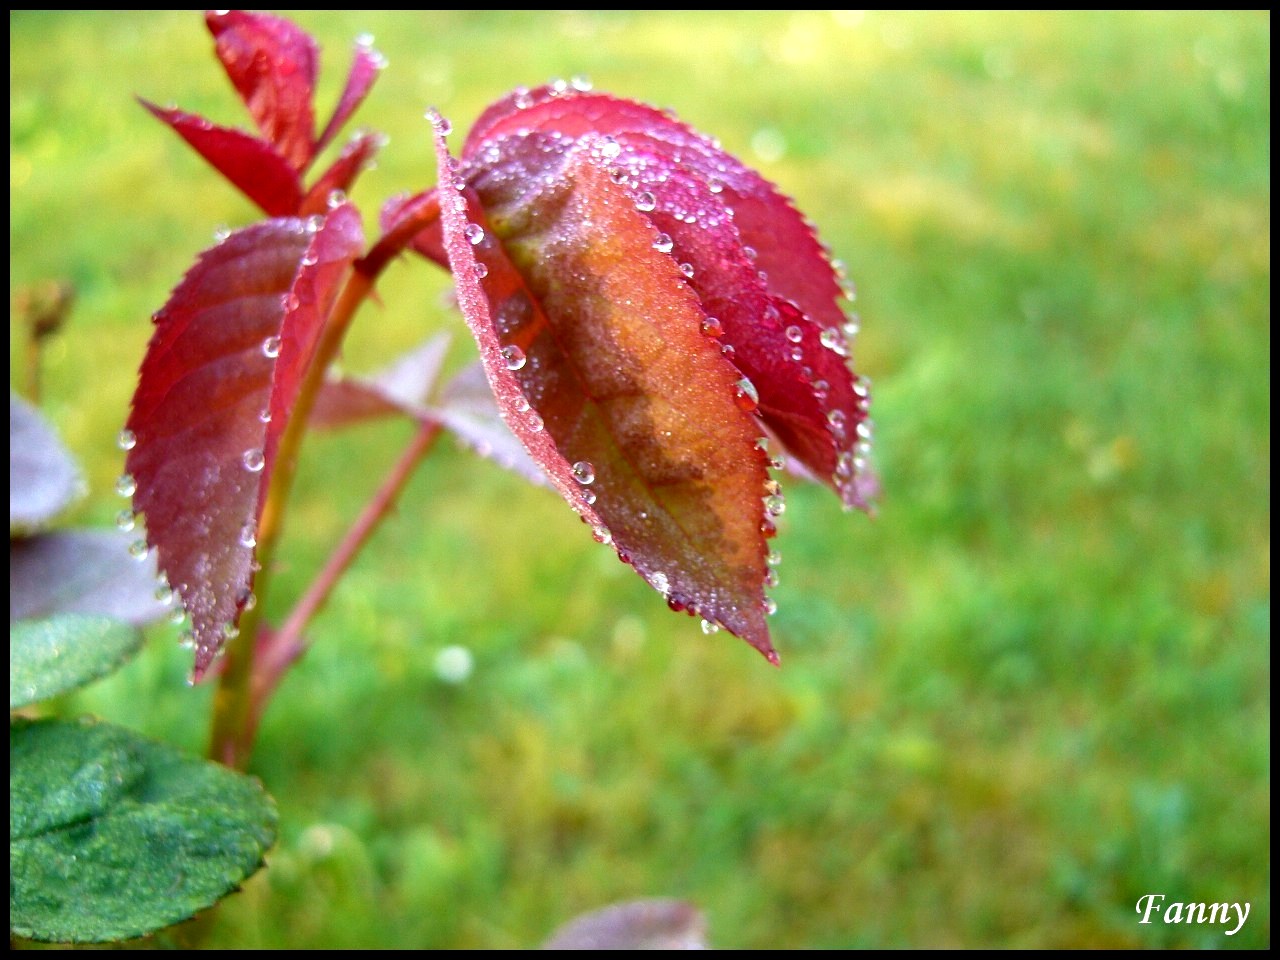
point(83, 571)
point(43, 477)
point(638, 925)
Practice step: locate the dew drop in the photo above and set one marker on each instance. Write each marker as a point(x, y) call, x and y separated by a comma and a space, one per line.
point(248, 536)
point(524, 99)
point(580, 83)
point(310, 258)
point(709, 628)
point(271, 347)
point(127, 440)
point(522, 405)
point(687, 269)
point(247, 599)
point(139, 549)
point(770, 606)
point(535, 423)
point(864, 430)
point(126, 485)
point(745, 395)
point(617, 175)
point(861, 388)
point(442, 124)
point(775, 505)
point(609, 148)
point(291, 301)
point(314, 223)
point(514, 356)
point(773, 558)
point(230, 631)
point(714, 185)
point(336, 198)
point(474, 233)
point(602, 534)
point(660, 582)
point(481, 271)
point(771, 577)
point(126, 520)
point(221, 234)
point(749, 253)
point(662, 243)
point(796, 354)
point(264, 416)
point(794, 333)
point(164, 595)
point(588, 497)
point(832, 339)
point(253, 460)
point(712, 327)
point(584, 472)
point(459, 184)
point(178, 615)
point(821, 388)
point(646, 202)
point(186, 639)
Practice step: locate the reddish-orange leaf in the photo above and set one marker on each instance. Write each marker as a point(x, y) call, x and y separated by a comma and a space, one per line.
point(607, 343)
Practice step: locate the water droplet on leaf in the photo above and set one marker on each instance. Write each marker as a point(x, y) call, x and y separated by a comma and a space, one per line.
point(745, 395)
point(271, 347)
point(514, 356)
point(646, 202)
point(662, 243)
point(127, 440)
point(474, 233)
point(253, 460)
point(126, 486)
point(584, 472)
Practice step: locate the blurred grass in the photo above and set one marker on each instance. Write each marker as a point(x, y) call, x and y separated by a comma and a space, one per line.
point(1033, 689)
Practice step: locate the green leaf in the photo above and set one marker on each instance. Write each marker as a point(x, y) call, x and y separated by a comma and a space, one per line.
point(48, 657)
point(112, 836)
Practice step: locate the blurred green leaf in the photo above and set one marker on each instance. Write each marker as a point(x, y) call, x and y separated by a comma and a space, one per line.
point(112, 836)
point(48, 657)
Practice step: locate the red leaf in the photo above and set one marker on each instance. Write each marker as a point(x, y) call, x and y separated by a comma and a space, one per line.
point(272, 64)
point(616, 364)
point(366, 66)
point(342, 173)
point(215, 392)
point(754, 262)
point(400, 219)
point(252, 165)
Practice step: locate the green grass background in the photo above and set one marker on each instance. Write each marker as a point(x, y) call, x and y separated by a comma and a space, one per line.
point(1034, 688)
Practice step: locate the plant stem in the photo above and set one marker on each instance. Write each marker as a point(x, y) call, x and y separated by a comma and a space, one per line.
point(239, 701)
point(231, 740)
point(286, 646)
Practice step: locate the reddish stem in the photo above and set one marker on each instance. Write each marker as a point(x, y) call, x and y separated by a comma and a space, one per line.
point(280, 650)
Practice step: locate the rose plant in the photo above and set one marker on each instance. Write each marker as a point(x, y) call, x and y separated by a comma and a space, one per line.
point(658, 328)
